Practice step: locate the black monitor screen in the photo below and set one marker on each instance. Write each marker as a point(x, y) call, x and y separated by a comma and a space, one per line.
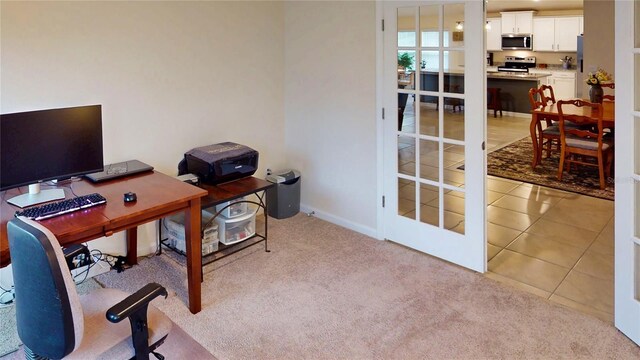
point(49, 144)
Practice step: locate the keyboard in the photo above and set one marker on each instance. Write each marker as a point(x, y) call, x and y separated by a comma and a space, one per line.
point(61, 207)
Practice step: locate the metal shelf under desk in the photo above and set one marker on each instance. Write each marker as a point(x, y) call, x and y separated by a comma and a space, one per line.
point(227, 192)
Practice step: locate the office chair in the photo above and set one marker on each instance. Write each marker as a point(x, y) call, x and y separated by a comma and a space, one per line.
point(54, 322)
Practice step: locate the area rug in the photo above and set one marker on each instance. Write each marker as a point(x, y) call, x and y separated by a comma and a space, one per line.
point(514, 162)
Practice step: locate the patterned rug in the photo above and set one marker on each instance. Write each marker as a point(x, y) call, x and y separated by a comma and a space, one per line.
point(514, 162)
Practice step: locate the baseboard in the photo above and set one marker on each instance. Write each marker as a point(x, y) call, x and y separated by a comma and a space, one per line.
point(369, 231)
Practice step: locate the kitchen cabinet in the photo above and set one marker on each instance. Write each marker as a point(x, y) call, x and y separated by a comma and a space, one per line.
point(494, 35)
point(556, 33)
point(517, 22)
point(544, 34)
point(564, 84)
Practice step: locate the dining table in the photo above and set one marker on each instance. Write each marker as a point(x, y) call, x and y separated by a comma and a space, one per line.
point(551, 112)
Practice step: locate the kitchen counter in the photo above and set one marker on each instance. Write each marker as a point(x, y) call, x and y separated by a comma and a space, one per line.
point(515, 76)
point(514, 87)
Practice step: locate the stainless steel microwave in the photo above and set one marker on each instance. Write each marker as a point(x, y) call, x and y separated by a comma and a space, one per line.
point(517, 42)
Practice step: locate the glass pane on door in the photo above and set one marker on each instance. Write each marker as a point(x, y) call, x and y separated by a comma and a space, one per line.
point(454, 211)
point(430, 204)
point(406, 198)
point(429, 160)
point(430, 26)
point(406, 155)
point(454, 24)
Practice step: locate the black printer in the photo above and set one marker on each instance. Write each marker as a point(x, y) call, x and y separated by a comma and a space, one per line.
point(220, 163)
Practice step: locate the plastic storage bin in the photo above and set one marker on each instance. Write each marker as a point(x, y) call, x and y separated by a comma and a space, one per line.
point(173, 229)
point(236, 229)
point(236, 209)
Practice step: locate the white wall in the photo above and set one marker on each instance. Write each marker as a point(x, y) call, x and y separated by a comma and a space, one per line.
point(599, 39)
point(330, 109)
point(170, 75)
point(175, 75)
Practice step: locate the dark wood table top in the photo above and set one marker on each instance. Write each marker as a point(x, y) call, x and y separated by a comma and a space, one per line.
point(224, 192)
point(157, 194)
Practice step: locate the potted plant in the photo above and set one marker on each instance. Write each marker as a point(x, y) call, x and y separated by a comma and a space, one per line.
point(405, 61)
point(595, 81)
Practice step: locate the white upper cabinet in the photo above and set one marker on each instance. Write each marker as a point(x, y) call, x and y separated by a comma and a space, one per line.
point(494, 35)
point(544, 34)
point(567, 31)
point(556, 33)
point(517, 22)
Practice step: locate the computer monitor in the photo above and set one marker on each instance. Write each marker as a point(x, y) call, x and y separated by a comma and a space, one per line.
point(56, 144)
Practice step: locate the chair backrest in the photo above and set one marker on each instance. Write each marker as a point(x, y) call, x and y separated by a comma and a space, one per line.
point(48, 311)
point(536, 98)
point(592, 117)
point(609, 97)
point(548, 99)
point(608, 85)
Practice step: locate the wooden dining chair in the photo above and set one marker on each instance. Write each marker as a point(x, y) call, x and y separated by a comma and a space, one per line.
point(550, 99)
point(551, 133)
point(612, 86)
point(585, 141)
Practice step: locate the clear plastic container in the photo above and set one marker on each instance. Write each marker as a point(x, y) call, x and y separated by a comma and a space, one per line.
point(173, 230)
point(236, 229)
point(237, 208)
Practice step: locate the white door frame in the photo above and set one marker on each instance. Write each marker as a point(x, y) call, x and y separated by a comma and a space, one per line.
point(627, 174)
point(469, 250)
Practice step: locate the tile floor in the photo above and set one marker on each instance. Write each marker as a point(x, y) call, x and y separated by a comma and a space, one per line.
point(555, 244)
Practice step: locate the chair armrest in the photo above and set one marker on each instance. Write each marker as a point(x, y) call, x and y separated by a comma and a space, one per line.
point(134, 302)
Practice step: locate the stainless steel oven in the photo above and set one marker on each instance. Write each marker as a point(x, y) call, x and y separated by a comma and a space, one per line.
point(517, 42)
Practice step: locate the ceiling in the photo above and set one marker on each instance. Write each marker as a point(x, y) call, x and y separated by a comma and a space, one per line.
point(511, 5)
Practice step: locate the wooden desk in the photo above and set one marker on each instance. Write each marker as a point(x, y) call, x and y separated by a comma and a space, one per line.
point(551, 111)
point(159, 195)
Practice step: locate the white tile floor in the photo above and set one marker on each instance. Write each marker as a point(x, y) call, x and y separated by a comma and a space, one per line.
point(555, 244)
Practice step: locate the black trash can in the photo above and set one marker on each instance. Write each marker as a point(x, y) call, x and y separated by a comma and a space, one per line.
point(283, 200)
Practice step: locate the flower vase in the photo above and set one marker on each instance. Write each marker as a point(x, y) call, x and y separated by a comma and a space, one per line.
point(595, 94)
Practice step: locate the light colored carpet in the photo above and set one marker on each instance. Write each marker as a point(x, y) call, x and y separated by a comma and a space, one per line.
point(9, 340)
point(178, 345)
point(325, 292)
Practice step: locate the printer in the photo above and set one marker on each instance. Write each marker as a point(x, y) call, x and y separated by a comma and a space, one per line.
point(219, 163)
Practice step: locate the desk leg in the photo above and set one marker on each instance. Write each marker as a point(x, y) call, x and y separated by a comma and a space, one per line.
point(132, 246)
point(266, 223)
point(534, 139)
point(194, 254)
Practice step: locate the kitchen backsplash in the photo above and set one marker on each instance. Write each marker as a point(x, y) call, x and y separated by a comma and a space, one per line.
point(552, 59)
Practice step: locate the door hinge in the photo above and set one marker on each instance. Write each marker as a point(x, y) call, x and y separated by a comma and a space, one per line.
point(483, 146)
point(382, 24)
point(383, 201)
point(382, 113)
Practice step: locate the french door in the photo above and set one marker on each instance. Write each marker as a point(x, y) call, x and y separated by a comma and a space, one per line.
point(434, 93)
point(627, 172)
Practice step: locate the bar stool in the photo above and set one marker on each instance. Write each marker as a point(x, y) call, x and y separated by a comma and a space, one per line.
point(494, 102)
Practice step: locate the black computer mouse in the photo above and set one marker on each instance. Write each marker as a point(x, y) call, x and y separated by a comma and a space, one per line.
point(130, 197)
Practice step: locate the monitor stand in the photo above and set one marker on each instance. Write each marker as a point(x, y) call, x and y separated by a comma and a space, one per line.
point(35, 196)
